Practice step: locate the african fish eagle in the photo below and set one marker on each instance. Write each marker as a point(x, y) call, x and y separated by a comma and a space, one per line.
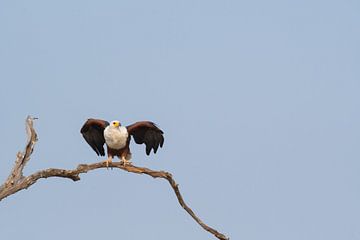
point(98, 132)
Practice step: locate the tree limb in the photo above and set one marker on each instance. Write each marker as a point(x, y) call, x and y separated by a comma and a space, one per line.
point(17, 182)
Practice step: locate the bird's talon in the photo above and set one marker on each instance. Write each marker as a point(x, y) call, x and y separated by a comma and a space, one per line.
point(107, 161)
point(125, 162)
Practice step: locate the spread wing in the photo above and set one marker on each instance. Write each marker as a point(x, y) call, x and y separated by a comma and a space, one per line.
point(93, 132)
point(148, 133)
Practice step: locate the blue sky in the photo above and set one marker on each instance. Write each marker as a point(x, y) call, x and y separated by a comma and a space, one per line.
point(259, 102)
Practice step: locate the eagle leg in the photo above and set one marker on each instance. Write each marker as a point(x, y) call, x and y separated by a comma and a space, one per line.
point(124, 161)
point(107, 161)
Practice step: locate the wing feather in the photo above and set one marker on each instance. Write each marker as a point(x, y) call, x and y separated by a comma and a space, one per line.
point(93, 133)
point(148, 133)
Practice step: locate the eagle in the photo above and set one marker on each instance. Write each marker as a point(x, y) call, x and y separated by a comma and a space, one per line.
point(97, 132)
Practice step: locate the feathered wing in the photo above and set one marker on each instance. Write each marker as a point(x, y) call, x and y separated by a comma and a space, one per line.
point(93, 132)
point(148, 133)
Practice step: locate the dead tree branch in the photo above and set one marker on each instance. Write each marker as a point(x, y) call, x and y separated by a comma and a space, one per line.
point(17, 182)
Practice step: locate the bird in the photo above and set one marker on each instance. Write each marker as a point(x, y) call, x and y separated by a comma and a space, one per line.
point(98, 132)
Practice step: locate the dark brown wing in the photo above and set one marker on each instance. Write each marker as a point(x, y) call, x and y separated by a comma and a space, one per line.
point(93, 132)
point(148, 133)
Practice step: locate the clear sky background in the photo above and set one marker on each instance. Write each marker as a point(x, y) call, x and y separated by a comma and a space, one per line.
point(259, 102)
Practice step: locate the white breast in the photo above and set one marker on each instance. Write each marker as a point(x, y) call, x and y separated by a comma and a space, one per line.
point(115, 137)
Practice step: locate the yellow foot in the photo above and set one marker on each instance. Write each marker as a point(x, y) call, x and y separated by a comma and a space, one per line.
point(125, 162)
point(107, 161)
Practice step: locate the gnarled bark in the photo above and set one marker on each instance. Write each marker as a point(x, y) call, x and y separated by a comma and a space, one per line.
point(17, 182)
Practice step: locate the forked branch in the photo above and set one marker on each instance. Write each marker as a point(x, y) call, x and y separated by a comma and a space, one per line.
point(16, 181)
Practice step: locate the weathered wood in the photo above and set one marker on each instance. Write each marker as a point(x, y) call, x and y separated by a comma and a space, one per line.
point(17, 182)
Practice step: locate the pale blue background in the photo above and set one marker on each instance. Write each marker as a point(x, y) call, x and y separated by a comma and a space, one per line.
point(259, 101)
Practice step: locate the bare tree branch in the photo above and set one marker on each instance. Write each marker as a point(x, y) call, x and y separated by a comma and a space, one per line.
point(22, 158)
point(17, 182)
